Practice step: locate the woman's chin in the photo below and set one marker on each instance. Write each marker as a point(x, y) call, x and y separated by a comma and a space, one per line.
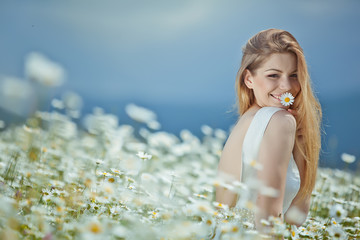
point(279, 105)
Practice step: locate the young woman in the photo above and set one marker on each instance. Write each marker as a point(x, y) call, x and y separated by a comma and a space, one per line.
point(273, 149)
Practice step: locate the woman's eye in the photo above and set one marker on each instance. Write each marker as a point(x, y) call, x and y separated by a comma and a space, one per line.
point(293, 75)
point(273, 76)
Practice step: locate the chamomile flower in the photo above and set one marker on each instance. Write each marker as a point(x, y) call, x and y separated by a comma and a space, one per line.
point(336, 232)
point(348, 158)
point(99, 161)
point(220, 205)
point(144, 156)
point(117, 171)
point(338, 212)
point(287, 99)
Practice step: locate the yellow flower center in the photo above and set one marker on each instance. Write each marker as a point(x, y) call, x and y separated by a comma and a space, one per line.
point(202, 208)
point(109, 190)
point(249, 205)
point(287, 99)
point(253, 163)
point(338, 213)
point(216, 184)
point(95, 228)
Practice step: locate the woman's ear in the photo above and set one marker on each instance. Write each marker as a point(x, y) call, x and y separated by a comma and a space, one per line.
point(248, 79)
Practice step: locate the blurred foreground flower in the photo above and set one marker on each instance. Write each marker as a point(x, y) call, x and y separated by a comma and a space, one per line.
point(73, 103)
point(144, 156)
point(336, 232)
point(295, 215)
point(142, 115)
point(99, 122)
point(348, 158)
point(338, 212)
point(44, 71)
point(16, 96)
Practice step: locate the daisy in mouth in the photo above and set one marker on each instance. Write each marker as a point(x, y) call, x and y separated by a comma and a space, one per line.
point(287, 99)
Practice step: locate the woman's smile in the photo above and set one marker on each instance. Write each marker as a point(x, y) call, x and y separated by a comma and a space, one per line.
point(276, 96)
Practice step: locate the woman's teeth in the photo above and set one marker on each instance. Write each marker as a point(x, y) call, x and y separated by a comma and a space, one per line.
point(277, 97)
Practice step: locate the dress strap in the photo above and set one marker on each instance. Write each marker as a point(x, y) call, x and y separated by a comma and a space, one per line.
point(256, 131)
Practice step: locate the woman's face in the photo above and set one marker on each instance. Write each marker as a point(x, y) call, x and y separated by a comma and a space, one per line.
point(277, 75)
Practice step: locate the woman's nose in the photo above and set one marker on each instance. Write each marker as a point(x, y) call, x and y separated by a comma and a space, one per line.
point(285, 84)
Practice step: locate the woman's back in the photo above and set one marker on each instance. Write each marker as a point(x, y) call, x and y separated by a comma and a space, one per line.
point(233, 146)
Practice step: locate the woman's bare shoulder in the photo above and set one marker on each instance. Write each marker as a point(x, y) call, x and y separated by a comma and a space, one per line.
point(282, 120)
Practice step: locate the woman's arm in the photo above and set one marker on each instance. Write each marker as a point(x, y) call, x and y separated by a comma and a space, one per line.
point(274, 156)
point(302, 205)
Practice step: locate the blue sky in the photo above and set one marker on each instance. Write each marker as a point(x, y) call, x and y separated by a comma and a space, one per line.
point(132, 48)
point(180, 53)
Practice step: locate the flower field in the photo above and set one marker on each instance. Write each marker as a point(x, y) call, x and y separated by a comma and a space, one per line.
point(117, 181)
point(112, 181)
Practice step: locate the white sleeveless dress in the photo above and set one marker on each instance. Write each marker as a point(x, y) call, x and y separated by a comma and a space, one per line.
point(250, 150)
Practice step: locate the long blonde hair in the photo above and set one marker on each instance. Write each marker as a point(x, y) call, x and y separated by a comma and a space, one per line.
point(309, 113)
